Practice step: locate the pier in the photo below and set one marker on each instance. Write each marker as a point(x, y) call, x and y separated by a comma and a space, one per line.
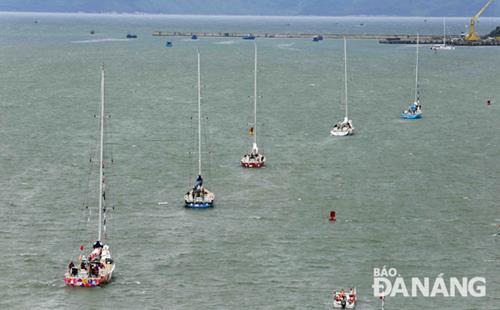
point(290, 35)
point(382, 38)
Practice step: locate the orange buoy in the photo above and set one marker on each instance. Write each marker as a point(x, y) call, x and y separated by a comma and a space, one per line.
point(333, 216)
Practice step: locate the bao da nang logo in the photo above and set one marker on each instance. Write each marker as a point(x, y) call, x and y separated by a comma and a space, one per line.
point(387, 282)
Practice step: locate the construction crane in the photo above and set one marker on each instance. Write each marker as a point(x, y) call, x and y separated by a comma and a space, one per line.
point(472, 34)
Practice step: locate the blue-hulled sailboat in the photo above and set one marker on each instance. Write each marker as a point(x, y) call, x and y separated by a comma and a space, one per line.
point(414, 111)
point(199, 196)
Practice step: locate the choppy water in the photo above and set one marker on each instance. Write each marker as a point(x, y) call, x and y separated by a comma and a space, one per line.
point(418, 196)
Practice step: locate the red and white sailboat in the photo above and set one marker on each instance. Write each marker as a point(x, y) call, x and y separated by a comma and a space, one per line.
point(97, 267)
point(254, 159)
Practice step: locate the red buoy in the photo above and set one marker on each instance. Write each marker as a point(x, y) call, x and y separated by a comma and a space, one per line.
point(333, 216)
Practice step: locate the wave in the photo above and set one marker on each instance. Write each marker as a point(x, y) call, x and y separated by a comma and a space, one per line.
point(225, 42)
point(100, 40)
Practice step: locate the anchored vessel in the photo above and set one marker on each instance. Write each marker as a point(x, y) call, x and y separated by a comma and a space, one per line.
point(254, 159)
point(437, 47)
point(344, 127)
point(344, 300)
point(199, 196)
point(414, 111)
point(97, 268)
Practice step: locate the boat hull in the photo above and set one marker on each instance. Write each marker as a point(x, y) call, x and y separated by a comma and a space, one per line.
point(341, 133)
point(252, 164)
point(411, 116)
point(89, 281)
point(194, 200)
point(199, 205)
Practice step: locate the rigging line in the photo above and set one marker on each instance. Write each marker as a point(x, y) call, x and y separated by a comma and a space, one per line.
point(85, 193)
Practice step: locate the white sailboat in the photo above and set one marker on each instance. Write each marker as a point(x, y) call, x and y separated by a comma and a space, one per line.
point(443, 46)
point(97, 268)
point(414, 111)
point(199, 196)
point(254, 159)
point(344, 127)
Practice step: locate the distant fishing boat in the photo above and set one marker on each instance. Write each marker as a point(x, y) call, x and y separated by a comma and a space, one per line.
point(254, 159)
point(97, 268)
point(345, 300)
point(318, 38)
point(248, 37)
point(199, 196)
point(345, 127)
point(414, 111)
point(194, 37)
point(169, 44)
point(131, 36)
point(437, 47)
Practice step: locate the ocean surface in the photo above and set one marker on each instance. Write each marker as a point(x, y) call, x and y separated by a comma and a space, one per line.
point(419, 196)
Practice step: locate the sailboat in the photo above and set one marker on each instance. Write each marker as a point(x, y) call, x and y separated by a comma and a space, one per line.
point(443, 46)
point(199, 196)
point(97, 268)
point(254, 159)
point(344, 127)
point(414, 111)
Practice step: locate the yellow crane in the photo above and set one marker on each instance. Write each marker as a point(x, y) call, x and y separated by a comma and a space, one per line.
point(472, 34)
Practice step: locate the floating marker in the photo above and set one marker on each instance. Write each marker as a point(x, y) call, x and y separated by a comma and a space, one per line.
point(333, 216)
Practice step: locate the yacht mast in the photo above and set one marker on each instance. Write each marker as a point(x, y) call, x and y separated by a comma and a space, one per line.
point(199, 116)
point(255, 96)
point(416, 72)
point(345, 76)
point(101, 154)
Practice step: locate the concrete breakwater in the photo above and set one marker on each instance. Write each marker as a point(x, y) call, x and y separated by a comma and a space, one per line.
point(286, 35)
point(382, 38)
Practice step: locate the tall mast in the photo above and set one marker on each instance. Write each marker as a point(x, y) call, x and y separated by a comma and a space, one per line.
point(255, 95)
point(416, 71)
point(345, 75)
point(199, 116)
point(101, 154)
point(444, 30)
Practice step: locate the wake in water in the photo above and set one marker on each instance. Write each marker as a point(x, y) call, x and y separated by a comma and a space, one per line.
point(100, 40)
point(287, 46)
point(225, 42)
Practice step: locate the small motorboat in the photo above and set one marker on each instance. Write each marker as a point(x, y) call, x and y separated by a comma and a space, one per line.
point(318, 38)
point(131, 36)
point(194, 37)
point(248, 37)
point(344, 300)
point(169, 44)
